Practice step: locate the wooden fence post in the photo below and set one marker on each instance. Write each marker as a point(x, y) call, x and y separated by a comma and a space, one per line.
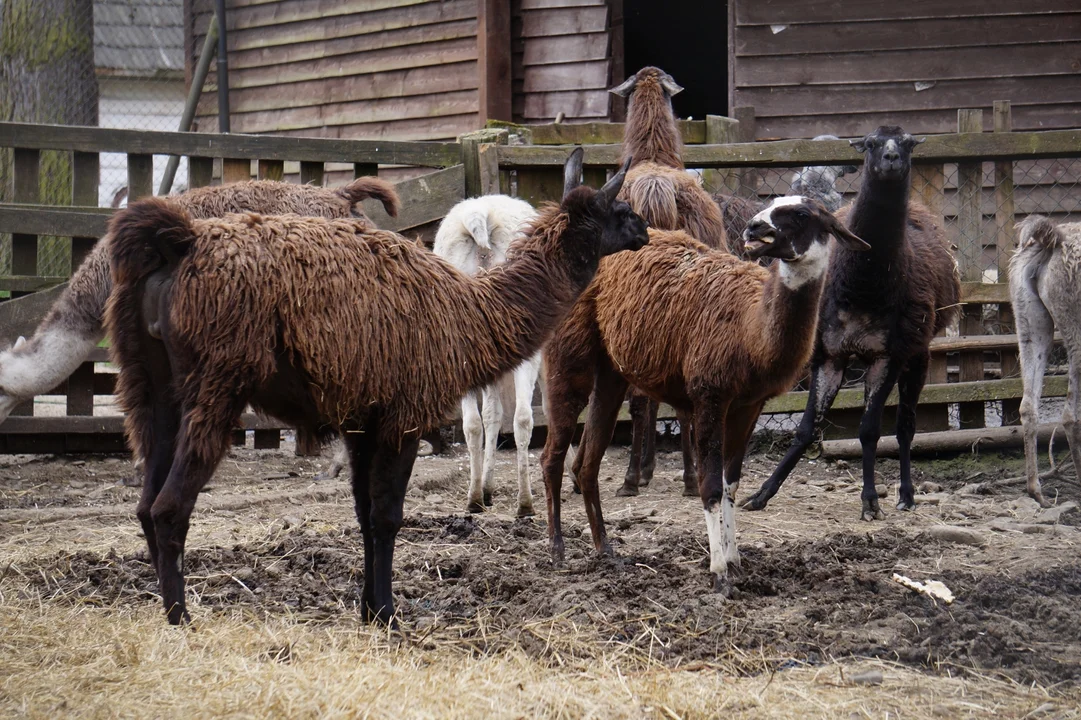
point(200, 171)
point(311, 173)
point(748, 177)
point(1004, 240)
point(84, 191)
point(480, 179)
point(970, 259)
point(928, 181)
point(272, 170)
point(721, 130)
point(140, 176)
point(235, 170)
point(24, 248)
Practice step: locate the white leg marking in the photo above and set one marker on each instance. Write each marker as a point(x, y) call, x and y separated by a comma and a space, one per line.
point(728, 524)
point(525, 379)
point(492, 413)
point(473, 430)
point(718, 552)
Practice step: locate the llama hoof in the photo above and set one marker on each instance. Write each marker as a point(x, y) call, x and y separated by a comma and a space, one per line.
point(645, 480)
point(871, 511)
point(754, 502)
point(487, 498)
point(906, 505)
point(576, 487)
point(178, 615)
point(690, 490)
point(627, 491)
point(474, 507)
point(1038, 497)
point(722, 585)
point(558, 558)
point(525, 511)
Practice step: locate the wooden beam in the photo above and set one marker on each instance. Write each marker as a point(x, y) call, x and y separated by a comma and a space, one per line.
point(945, 441)
point(493, 60)
point(54, 220)
point(107, 424)
point(237, 145)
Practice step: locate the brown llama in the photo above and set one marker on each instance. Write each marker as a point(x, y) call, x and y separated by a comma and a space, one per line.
point(883, 307)
point(329, 326)
point(74, 325)
point(708, 333)
point(660, 189)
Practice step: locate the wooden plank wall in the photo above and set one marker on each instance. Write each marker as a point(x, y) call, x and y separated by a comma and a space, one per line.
point(561, 59)
point(396, 69)
point(821, 66)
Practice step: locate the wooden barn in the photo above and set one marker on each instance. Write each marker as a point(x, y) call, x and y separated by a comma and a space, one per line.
point(425, 70)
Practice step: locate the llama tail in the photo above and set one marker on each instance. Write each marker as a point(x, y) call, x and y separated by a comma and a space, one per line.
point(148, 235)
point(372, 187)
point(653, 196)
point(1036, 241)
point(1039, 230)
point(476, 224)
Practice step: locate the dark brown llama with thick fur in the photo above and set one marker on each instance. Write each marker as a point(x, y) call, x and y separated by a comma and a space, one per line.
point(660, 189)
point(74, 325)
point(883, 307)
point(708, 333)
point(331, 327)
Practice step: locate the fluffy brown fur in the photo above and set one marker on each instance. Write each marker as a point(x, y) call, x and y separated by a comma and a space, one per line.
point(713, 335)
point(883, 307)
point(74, 327)
point(208, 316)
point(668, 198)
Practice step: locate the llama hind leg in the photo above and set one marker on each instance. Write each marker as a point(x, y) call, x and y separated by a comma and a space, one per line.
point(604, 405)
point(567, 397)
point(1071, 414)
point(492, 414)
point(201, 444)
point(525, 379)
point(716, 494)
point(473, 429)
point(388, 480)
point(1035, 339)
point(686, 443)
point(640, 428)
point(159, 451)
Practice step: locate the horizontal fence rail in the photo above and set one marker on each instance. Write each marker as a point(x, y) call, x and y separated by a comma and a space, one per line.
point(978, 183)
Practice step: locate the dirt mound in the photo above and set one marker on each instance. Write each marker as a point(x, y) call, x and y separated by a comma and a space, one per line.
point(490, 580)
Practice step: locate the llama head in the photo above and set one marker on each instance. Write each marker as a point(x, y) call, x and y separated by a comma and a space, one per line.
point(649, 79)
point(887, 153)
point(794, 228)
point(599, 212)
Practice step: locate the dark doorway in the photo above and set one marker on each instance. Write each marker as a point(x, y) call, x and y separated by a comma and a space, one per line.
point(688, 39)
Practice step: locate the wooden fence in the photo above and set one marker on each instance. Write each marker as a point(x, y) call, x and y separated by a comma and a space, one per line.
point(971, 370)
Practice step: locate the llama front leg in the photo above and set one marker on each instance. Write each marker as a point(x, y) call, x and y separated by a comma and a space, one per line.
point(879, 382)
point(492, 413)
point(686, 443)
point(1035, 339)
point(640, 428)
point(525, 380)
point(826, 378)
point(473, 429)
point(390, 469)
point(1071, 413)
point(568, 394)
point(360, 447)
point(909, 386)
point(717, 495)
point(165, 425)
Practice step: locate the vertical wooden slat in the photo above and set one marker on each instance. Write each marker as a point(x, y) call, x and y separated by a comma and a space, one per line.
point(748, 183)
point(970, 242)
point(272, 170)
point(928, 182)
point(1004, 239)
point(24, 248)
point(140, 176)
point(719, 131)
point(85, 176)
point(311, 173)
point(617, 68)
point(200, 171)
point(235, 170)
point(493, 60)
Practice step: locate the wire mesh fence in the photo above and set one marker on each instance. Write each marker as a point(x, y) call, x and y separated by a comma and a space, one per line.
point(109, 63)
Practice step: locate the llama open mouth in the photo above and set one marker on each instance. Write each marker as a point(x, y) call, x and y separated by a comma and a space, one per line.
point(755, 244)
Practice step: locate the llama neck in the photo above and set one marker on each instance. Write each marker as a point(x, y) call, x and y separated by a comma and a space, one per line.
point(522, 301)
point(879, 217)
point(651, 133)
point(788, 314)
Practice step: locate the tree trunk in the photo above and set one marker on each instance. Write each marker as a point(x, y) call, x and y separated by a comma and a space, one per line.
point(47, 76)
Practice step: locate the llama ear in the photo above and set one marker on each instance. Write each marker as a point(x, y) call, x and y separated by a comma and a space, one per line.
point(860, 144)
point(572, 170)
point(844, 235)
point(670, 86)
point(625, 88)
point(19, 343)
point(611, 188)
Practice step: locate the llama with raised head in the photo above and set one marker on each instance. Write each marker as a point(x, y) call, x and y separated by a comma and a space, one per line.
point(710, 334)
point(1045, 288)
point(209, 316)
point(660, 189)
point(883, 307)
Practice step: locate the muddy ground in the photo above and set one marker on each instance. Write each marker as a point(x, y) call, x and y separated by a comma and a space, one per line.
point(816, 581)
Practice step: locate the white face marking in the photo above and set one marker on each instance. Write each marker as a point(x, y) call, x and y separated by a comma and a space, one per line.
point(807, 268)
point(766, 215)
point(891, 146)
